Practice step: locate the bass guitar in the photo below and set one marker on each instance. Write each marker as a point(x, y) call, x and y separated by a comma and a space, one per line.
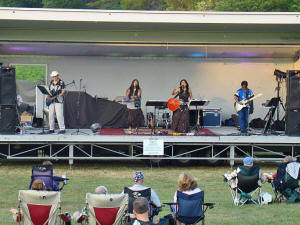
point(238, 107)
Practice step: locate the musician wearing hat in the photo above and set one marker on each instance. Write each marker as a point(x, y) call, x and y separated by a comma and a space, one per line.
point(57, 91)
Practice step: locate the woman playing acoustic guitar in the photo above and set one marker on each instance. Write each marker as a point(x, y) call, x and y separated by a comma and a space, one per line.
point(181, 116)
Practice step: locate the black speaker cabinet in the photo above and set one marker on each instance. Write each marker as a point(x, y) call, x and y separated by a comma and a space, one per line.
point(292, 120)
point(293, 89)
point(7, 86)
point(8, 119)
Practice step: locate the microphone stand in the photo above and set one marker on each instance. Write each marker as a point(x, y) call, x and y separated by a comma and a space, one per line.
point(78, 111)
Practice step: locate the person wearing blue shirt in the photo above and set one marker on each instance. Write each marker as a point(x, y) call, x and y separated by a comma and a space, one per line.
point(244, 93)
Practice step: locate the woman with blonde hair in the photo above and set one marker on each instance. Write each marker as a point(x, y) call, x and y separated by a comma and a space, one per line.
point(187, 184)
point(38, 185)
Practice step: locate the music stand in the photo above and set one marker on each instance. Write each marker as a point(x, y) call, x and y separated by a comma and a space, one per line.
point(44, 92)
point(198, 103)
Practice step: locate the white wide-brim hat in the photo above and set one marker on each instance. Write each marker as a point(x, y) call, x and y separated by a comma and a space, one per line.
point(54, 74)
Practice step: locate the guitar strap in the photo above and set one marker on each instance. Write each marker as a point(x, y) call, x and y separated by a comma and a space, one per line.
point(251, 107)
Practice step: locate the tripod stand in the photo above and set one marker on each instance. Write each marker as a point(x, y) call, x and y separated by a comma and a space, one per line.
point(274, 104)
point(198, 114)
point(78, 111)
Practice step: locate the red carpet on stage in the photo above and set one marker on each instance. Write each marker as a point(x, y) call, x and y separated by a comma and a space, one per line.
point(147, 131)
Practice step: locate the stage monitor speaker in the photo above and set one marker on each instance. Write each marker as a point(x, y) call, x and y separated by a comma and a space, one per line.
point(7, 86)
point(293, 90)
point(8, 119)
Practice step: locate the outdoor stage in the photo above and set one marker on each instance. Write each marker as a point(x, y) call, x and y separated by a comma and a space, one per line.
point(212, 145)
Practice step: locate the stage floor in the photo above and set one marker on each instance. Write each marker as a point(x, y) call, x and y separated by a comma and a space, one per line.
point(206, 135)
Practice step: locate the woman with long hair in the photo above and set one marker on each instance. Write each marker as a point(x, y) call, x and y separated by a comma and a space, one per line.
point(134, 115)
point(181, 117)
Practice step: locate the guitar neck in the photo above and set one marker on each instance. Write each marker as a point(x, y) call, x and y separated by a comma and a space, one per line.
point(254, 97)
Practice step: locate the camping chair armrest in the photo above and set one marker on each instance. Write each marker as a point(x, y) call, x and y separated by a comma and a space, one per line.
point(208, 205)
point(170, 203)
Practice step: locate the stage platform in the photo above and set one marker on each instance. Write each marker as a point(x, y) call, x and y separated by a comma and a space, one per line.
point(211, 144)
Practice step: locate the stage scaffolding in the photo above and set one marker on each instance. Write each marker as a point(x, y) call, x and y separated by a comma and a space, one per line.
point(130, 147)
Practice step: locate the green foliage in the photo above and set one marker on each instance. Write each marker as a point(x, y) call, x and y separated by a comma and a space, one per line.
point(104, 4)
point(143, 4)
point(177, 5)
point(182, 5)
point(30, 73)
point(70, 4)
point(21, 3)
point(258, 5)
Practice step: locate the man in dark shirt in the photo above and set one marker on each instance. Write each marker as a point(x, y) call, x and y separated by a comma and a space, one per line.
point(57, 91)
point(141, 210)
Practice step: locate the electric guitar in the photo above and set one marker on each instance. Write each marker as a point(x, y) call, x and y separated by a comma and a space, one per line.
point(51, 100)
point(238, 107)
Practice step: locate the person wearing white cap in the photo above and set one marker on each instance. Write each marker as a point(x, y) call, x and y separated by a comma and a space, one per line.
point(57, 91)
point(138, 180)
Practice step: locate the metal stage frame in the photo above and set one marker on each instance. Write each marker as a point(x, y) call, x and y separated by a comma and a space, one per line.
point(130, 147)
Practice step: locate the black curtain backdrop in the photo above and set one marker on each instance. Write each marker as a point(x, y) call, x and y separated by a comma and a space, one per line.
point(92, 110)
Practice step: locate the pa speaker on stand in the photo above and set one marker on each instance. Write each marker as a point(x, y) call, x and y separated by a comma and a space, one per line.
point(292, 118)
point(8, 111)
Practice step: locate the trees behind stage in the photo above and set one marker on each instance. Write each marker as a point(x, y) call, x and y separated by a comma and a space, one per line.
point(187, 5)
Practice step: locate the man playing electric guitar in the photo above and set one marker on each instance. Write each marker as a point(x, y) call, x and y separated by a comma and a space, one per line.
point(55, 103)
point(244, 93)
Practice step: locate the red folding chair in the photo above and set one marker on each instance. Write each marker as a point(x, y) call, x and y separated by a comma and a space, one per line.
point(39, 207)
point(106, 209)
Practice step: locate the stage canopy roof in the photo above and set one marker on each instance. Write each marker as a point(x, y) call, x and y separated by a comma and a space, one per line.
point(60, 32)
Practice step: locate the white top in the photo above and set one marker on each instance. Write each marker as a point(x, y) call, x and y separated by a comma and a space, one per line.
point(189, 192)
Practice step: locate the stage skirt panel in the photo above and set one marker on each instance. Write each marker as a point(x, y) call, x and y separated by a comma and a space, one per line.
point(181, 121)
point(135, 118)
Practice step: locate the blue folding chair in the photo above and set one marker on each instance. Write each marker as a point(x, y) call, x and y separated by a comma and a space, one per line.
point(190, 208)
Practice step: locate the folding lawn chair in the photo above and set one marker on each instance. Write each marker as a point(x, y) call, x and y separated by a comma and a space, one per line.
point(39, 207)
point(106, 209)
point(247, 188)
point(45, 173)
point(146, 193)
point(190, 209)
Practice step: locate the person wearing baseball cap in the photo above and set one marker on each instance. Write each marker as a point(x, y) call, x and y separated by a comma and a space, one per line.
point(55, 103)
point(247, 169)
point(138, 180)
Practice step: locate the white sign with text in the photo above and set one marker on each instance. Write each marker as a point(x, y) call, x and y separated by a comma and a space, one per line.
point(153, 147)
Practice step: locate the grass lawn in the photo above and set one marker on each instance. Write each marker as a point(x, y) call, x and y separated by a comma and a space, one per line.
point(116, 175)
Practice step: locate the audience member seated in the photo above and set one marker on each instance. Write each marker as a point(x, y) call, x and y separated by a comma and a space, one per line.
point(283, 182)
point(101, 190)
point(138, 180)
point(56, 178)
point(141, 210)
point(248, 169)
point(37, 185)
point(80, 216)
point(187, 184)
point(280, 170)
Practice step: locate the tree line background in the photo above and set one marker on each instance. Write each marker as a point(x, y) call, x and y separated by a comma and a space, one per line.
point(188, 5)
